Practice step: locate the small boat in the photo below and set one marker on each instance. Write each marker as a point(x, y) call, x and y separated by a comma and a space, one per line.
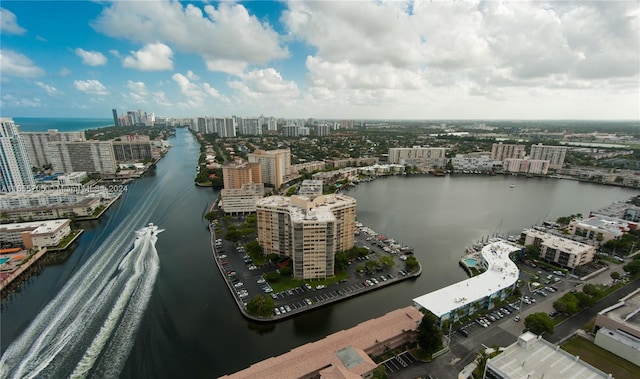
point(512, 185)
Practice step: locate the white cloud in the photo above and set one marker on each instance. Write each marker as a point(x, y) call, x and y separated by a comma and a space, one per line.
point(226, 37)
point(420, 58)
point(196, 94)
point(52, 91)
point(91, 58)
point(267, 81)
point(9, 23)
point(90, 86)
point(152, 57)
point(138, 91)
point(16, 64)
point(24, 102)
point(64, 71)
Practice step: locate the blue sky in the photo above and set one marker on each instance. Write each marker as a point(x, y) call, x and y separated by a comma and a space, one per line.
point(355, 59)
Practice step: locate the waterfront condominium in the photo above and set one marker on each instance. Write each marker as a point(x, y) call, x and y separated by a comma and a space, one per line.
point(88, 156)
point(274, 163)
point(236, 174)
point(310, 230)
point(501, 151)
point(15, 167)
point(554, 154)
point(424, 158)
point(37, 143)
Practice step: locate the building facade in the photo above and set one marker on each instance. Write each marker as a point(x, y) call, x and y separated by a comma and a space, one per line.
point(274, 164)
point(241, 200)
point(554, 154)
point(89, 156)
point(472, 163)
point(309, 230)
point(526, 166)
point(237, 174)
point(35, 234)
point(132, 148)
point(601, 228)
point(424, 158)
point(501, 151)
point(563, 251)
point(618, 328)
point(37, 143)
point(15, 166)
point(47, 205)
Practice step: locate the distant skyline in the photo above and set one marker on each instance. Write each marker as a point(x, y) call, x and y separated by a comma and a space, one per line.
point(355, 59)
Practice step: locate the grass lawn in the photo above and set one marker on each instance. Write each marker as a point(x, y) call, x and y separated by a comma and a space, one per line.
point(601, 359)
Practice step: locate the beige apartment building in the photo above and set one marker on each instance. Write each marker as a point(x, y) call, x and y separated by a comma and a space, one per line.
point(274, 164)
point(554, 154)
point(310, 230)
point(241, 200)
point(501, 151)
point(563, 251)
point(425, 158)
point(237, 174)
point(36, 233)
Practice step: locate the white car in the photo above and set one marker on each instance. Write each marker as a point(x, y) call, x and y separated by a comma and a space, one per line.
point(238, 285)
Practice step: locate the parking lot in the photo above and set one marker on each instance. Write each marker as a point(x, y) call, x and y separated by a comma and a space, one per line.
point(245, 280)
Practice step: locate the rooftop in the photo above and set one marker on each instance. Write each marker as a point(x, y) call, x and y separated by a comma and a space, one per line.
point(533, 357)
point(36, 227)
point(626, 311)
point(338, 355)
point(501, 273)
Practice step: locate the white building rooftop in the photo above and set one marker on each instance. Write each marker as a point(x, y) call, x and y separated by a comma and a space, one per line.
point(533, 357)
point(36, 227)
point(500, 273)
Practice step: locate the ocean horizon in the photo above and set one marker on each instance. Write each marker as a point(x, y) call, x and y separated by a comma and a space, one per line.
point(62, 124)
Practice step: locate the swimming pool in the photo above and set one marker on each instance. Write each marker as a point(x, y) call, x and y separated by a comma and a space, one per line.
point(2, 260)
point(471, 262)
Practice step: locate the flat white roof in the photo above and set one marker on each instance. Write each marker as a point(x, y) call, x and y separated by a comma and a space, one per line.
point(541, 359)
point(36, 227)
point(501, 273)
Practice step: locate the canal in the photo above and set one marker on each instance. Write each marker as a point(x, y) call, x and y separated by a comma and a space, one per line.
point(191, 326)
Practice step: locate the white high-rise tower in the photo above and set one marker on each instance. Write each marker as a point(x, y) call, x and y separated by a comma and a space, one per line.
point(15, 167)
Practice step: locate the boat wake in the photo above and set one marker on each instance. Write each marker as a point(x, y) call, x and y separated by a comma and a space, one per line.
point(89, 328)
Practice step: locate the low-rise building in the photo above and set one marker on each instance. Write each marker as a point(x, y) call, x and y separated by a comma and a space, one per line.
point(344, 354)
point(47, 205)
point(601, 228)
point(310, 188)
point(242, 200)
point(533, 357)
point(307, 166)
point(618, 328)
point(563, 251)
point(330, 177)
point(35, 234)
point(479, 292)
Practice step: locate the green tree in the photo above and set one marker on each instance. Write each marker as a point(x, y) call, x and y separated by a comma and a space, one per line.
point(615, 275)
point(532, 251)
point(380, 372)
point(387, 261)
point(261, 305)
point(568, 304)
point(633, 268)
point(286, 271)
point(272, 277)
point(539, 323)
point(253, 248)
point(429, 334)
point(412, 263)
point(591, 289)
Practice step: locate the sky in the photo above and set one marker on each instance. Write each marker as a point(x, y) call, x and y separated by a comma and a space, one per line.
point(355, 59)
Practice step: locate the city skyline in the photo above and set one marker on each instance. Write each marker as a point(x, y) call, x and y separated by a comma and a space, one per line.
point(342, 60)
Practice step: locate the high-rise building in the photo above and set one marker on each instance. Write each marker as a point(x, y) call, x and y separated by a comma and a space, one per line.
point(132, 148)
point(554, 154)
point(236, 174)
point(115, 117)
point(89, 156)
point(310, 230)
point(15, 167)
point(37, 143)
point(275, 164)
point(501, 151)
